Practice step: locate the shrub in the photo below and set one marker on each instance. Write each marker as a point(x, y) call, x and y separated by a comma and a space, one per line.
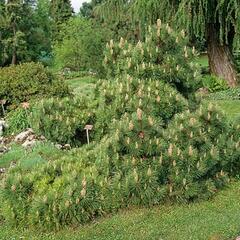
point(214, 84)
point(125, 95)
point(81, 48)
point(147, 149)
point(229, 94)
point(62, 120)
point(203, 153)
point(137, 163)
point(18, 120)
point(163, 55)
point(26, 81)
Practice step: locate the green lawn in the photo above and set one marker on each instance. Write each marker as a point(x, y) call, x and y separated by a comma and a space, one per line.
point(230, 107)
point(217, 219)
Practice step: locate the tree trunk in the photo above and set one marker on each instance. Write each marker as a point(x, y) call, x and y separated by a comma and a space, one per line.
point(14, 51)
point(220, 58)
point(14, 56)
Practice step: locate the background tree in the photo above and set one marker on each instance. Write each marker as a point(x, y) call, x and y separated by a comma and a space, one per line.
point(87, 8)
point(42, 32)
point(216, 21)
point(61, 11)
point(25, 31)
point(13, 40)
point(82, 45)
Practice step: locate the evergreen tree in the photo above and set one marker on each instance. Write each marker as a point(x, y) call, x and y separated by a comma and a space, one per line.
point(87, 8)
point(13, 40)
point(61, 11)
point(217, 21)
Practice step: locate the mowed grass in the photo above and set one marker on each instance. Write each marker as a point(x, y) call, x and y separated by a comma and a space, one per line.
point(230, 107)
point(217, 219)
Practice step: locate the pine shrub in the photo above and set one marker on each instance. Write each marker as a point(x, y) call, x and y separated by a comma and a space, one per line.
point(146, 148)
point(126, 95)
point(62, 120)
point(163, 55)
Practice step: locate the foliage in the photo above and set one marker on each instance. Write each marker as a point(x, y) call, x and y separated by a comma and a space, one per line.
point(163, 55)
point(230, 94)
point(18, 120)
point(81, 47)
point(62, 120)
point(25, 31)
point(27, 81)
point(61, 11)
point(124, 96)
point(214, 84)
point(118, 172)
point(195, 16)
point(30, 158)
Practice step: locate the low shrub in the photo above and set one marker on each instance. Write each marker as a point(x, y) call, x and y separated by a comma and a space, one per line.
point(26, 81)
point(29, 158)
point(214, 84)
point(203, 153)
point(137, 163)
point(62, 120)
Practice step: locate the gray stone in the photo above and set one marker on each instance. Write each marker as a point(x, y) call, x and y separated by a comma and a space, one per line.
point(29, 143)
point(3, 149)
point(3, 126)
point(21, 137)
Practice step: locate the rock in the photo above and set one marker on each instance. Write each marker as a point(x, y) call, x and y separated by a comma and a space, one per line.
point(3, 149)
point(2, 170)
point(3, 126)
point(31, 137)
point(66, 147)
point(29, 143)
point(203, 91)
point(21, 137)
point(42, 138)
point(58, 146)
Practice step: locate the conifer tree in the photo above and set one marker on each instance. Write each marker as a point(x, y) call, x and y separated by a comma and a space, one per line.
point(61, 11)
point(216, 21)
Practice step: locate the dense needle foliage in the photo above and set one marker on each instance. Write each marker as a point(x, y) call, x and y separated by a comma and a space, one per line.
point(147, 147)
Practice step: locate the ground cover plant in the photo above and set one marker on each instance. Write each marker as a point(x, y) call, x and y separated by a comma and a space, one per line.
point(148, 145)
